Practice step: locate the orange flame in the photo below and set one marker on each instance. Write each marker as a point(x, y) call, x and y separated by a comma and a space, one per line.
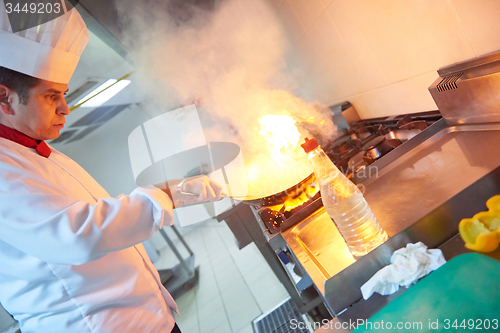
point(281, 133)
point(309, 192)
point(294, 202)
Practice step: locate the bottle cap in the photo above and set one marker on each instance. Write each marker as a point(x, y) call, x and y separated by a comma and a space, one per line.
point(309, 145)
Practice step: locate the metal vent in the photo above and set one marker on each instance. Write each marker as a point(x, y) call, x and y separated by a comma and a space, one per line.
point(284, 318)
point(64, 136)
point(100, 115)
point(89, 123)
point(83, 133)
point(449, 82)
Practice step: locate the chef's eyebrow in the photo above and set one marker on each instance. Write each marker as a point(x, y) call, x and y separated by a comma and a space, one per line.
point(55, 91)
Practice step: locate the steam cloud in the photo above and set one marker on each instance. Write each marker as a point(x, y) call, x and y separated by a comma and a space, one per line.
point(230, 56)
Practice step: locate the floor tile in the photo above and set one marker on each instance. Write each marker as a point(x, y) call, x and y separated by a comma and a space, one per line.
point(190, 329)
point(266, 281)
point(224, 328)
point(238, 287)
point(208, 324)
point(229, 269)
point(216, 243)
point(201, 258)
point(248, 266)
point(186, 301)
point(207, 281)
point(247, 329)
point(220, 265)
point(205, 296)
point(215, 305)
point(222, 259)
point(257, 275)
point(188, 318)
point(229, 281)
point(206, 270)
point(244, 317)
point(268, 291)
point(189, 325)
point(268, 300)
point(235, 303)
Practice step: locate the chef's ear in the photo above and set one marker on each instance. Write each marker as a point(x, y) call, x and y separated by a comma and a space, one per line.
point(6, 96)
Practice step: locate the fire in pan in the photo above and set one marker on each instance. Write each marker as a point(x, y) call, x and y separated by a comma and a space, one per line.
point(223, 162)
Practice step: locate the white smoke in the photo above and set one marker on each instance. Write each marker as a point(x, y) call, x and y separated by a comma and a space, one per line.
point(230, 58)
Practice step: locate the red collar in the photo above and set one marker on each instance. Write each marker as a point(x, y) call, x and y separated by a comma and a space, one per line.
point(16, 136)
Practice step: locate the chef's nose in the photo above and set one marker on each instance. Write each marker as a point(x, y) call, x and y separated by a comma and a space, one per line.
point(63, 108)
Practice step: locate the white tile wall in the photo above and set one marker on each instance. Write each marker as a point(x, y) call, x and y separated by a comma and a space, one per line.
point(409, 95)
point(276, 4)
point(481, 21)
point(302, 12)
point(326, 2)
point(290, 20)
point(382, 55)
point(315, 7)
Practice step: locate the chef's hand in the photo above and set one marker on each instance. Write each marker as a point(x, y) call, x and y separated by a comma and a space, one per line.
point(192, 191)
point(199, 189)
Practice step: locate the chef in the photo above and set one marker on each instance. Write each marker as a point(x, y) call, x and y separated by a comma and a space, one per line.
point(71, 258)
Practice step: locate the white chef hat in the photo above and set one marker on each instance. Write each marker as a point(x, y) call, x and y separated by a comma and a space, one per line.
point(49, 51)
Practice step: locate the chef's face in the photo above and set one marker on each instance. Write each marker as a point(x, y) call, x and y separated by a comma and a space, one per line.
point(44, 115)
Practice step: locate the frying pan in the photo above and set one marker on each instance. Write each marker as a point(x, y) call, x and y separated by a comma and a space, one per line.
point(226, 164)
point(271, 200)
point(276, 198)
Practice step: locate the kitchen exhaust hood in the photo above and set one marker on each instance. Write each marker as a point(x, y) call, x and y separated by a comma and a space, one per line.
point(468, 92)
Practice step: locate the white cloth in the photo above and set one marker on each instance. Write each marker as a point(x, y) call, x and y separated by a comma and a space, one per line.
point(49, 51)
point(407, 266)
point(67, 257)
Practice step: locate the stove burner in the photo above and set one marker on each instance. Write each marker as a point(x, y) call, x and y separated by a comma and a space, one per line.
point(407, 122)
point(340, 150)
point(378, 147)
point(374, 143)
point(361, 132)
point(375, 138)
point(277, 218)
point(401, 135)
point(357, 162)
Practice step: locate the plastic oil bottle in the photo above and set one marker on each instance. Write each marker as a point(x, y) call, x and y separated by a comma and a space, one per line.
point(345, 204)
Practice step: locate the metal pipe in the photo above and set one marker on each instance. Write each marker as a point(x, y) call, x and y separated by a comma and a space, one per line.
point(177, 254)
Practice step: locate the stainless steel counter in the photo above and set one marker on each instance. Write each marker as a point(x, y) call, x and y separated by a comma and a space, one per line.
point(425, 177)
point(415, 196)
point(319, 247)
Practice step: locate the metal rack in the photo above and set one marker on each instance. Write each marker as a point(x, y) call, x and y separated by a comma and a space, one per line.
point(183, 276)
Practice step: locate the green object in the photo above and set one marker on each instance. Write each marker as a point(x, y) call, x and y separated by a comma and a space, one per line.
point(463, 295)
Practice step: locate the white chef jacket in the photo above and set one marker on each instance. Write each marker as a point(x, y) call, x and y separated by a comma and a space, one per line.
point(70, 256)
